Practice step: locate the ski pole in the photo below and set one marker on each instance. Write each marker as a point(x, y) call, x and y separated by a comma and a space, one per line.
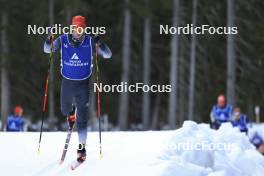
point(98, 99)
point(45, 96)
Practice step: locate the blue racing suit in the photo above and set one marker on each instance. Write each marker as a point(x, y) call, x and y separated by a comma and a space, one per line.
point(76, 69)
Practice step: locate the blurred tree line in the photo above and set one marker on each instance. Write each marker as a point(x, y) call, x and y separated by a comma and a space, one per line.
point(199, 67)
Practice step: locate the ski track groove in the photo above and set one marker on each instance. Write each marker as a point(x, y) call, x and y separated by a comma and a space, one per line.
point(46, 169)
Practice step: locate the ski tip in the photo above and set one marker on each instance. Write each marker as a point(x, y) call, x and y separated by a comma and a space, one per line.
point(61, 161)
point(75, 164)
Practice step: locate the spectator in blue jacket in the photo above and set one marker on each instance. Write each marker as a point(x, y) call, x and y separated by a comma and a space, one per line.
point(257, 141)
point(240, 120)
point(221, 112)
point(15, 122)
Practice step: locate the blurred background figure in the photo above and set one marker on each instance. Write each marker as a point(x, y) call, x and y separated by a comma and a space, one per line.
point(15, 122)
point(240, 120)
point(257, 141)
point(221, 112)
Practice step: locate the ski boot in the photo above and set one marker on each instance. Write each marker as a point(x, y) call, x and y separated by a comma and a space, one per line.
point(81, 153)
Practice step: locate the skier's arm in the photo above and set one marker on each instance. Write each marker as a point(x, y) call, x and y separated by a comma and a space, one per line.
point(47, 45)
point(231, 114)
point(212, 115)
point(22, 125)
point(233, 117)
point(247, 119)
point(7, 124)
point(103, 49)
point(6, 127)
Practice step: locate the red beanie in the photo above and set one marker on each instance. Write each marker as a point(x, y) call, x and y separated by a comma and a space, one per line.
point(18, 110)
point(79, 21)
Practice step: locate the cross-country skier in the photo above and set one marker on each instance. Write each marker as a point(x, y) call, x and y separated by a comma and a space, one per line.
point(77, 51)
point(221, 112)
point(15, 122)
point(240, 120)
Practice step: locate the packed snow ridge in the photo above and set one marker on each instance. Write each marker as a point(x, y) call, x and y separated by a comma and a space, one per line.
point(193, 150)
point(226, 152)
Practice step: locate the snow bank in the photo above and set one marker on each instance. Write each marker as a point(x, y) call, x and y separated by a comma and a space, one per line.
point(124, 153)
point(182, 152)
point(197, 150)
point(256, 128)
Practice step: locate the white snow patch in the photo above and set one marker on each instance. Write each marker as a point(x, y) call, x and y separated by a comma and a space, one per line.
point(241, 159)
point(148, 153)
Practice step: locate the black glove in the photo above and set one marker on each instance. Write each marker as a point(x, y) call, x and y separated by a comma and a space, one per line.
point(97, 40)
point(49, 39)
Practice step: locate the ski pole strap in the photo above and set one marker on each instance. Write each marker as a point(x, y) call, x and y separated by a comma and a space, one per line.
point(51, 49)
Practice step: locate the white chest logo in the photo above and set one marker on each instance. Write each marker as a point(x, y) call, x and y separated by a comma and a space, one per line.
point(13, 125)
point(65, 45)
point(74, 57)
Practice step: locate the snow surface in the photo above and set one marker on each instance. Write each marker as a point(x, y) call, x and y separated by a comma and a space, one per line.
point(134, 153)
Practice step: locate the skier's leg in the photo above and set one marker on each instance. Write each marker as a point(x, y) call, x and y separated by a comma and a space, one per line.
point(66, 98)
point(82, 104)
